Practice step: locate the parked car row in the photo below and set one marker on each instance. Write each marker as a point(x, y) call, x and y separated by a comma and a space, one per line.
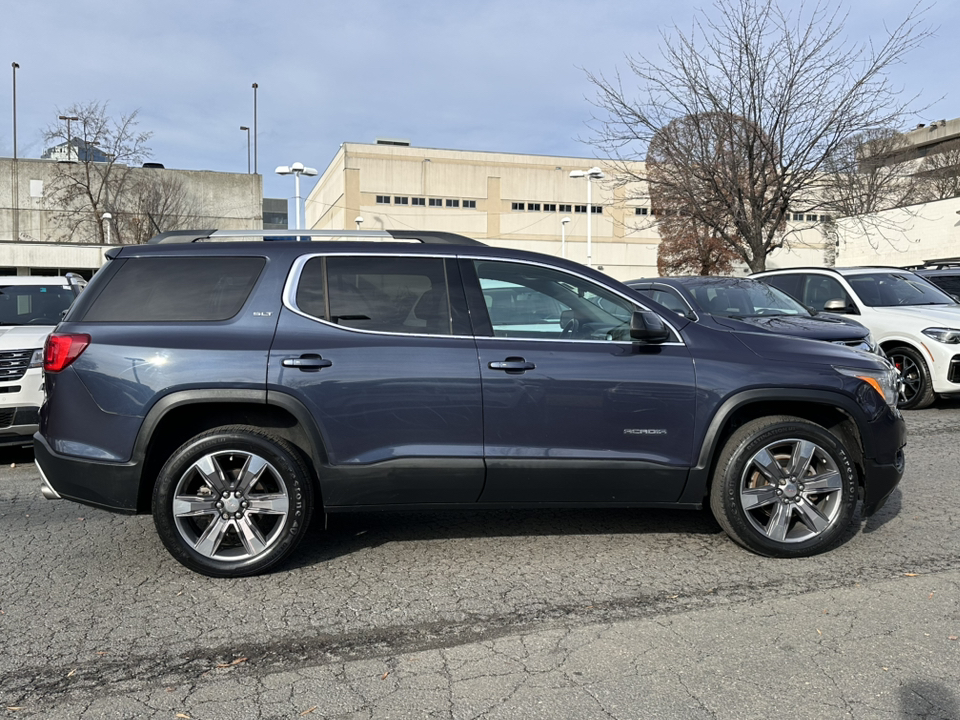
point(234, 387)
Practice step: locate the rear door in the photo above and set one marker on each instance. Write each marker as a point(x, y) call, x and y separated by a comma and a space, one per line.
point(378, 349)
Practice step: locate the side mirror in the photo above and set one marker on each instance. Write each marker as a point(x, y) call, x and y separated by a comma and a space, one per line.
point(837, 306)
point(648, 327)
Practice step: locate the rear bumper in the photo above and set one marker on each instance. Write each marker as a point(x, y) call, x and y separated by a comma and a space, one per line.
point(112, 486)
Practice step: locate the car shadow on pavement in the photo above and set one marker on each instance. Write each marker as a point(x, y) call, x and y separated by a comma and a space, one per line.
point(888, 512)
point(348, 533)
point(16, 455)
point(928, 699)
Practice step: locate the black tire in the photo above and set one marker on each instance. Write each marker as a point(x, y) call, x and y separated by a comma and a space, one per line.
point(232, 501)
point(917, 389)
point(765, 487)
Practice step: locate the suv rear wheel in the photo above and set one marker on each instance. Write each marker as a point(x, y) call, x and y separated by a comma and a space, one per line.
point(232, 501)
point(784, 487)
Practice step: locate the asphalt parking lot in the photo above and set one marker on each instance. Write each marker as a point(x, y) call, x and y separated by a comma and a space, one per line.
point(551, 614)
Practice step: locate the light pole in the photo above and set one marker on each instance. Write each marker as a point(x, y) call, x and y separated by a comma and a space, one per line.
point(107, 217)
point(358, 220)
point(68, 118)
point(592, 174)
point(244, 127)
point(254, 86)
point(16, 169)
point(297, 169)
point(563, 237)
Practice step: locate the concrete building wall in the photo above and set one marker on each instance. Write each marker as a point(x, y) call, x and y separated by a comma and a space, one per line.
point(218, 200)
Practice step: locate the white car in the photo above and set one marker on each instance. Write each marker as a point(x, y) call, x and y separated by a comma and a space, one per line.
point(30, 307)
point(916, 324)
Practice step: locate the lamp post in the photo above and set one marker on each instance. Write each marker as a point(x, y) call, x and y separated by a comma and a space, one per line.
point(69, 119)
point(244, 127)
point(593, 173)
point(254, 86)
point(358, 220)
point(563, 237)
point(107, 217)
point(297, 169)
point(16, 169)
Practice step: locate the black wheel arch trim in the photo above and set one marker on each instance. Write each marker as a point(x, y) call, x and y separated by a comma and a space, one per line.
point(699, 477)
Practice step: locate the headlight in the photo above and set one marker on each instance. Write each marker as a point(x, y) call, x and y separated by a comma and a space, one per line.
point(36, 360)
point(885, 382)
point(950, 336)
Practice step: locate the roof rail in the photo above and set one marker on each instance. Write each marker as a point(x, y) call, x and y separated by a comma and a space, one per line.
point(427, 237)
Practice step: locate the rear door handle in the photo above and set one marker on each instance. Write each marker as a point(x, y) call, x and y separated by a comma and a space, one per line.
point(512, 365)
point(307, 363)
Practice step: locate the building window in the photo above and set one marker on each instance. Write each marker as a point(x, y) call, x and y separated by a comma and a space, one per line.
point(436, 202)
point(418, 201)
point(533, 206)
point(469, 203)
point(640, 211)
point(811, 218)
point(549, 207)
point(798, 216)
point(564, 208)
point(400, 201)
point(517, 206)
point(579, 208)
point(383, 199)
point(596, 209)
point(453, 203)
point(825, 218)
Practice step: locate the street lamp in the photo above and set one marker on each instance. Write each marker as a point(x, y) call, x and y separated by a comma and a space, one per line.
point(358, 220)
point(68, 118)
point(254, 86)
point(297, 169)
point(16, 170)
point(107, 217)
point(593, 173)
point(563, 237)
point(244, 127)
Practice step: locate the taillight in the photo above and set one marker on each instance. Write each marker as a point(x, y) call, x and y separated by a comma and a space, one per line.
point(62, 349)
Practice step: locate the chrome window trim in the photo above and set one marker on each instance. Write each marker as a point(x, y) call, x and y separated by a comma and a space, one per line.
point(293, 281)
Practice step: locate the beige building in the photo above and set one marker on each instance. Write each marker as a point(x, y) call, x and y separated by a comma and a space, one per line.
point(503, 199)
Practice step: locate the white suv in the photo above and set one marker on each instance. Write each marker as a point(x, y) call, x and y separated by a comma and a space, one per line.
point(915, 322)
point(30, 307)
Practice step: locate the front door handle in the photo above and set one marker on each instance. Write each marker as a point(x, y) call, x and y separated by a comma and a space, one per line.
point(513, 365)
point(307, 363)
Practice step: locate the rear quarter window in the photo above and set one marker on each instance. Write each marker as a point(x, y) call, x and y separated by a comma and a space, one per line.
point(195, 289)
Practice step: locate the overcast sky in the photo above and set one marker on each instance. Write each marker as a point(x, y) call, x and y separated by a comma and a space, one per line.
point(497, 76)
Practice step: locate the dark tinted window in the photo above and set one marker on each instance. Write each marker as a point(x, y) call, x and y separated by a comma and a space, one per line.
point(386, 294)
point(792, 285)
point(950, 283)
point(33, 304)
point(198, 289)
point(892, 289)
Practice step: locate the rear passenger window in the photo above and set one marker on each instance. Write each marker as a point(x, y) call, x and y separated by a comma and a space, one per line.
point(384, 294)
point(195, 289)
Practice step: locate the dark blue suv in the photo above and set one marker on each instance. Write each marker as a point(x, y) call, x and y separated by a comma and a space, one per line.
point(233, 386)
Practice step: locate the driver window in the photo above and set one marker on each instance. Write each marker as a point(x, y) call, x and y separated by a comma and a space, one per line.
point(530, 301)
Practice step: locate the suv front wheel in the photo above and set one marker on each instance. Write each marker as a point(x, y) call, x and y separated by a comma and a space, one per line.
point(232, 501)
point(917, 392)
point(784, 487)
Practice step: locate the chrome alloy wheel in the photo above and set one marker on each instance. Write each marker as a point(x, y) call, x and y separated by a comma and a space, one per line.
point(230, 505)
point(791, 490)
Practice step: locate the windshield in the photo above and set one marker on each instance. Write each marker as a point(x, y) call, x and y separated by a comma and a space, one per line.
point(33, 304)
point(889, 289)
point(743, 298)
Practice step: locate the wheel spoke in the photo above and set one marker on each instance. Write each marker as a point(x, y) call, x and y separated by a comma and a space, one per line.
point(826, 482)
point(758, 497)
point(212, 474)
point(251, 537)
point(251, 473)
point(779, 523)
point(811, 517)
point(194, 506)
point(801, 458)
point(768, 465)
point(209, 542)
point(274, 504)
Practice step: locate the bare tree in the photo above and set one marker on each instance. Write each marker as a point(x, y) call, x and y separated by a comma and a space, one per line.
point(156, 202)
point(96, 177)
point(777, 89)
point(685, 249)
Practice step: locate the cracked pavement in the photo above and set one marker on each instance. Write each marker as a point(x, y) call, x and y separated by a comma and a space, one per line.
point(512, 614)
